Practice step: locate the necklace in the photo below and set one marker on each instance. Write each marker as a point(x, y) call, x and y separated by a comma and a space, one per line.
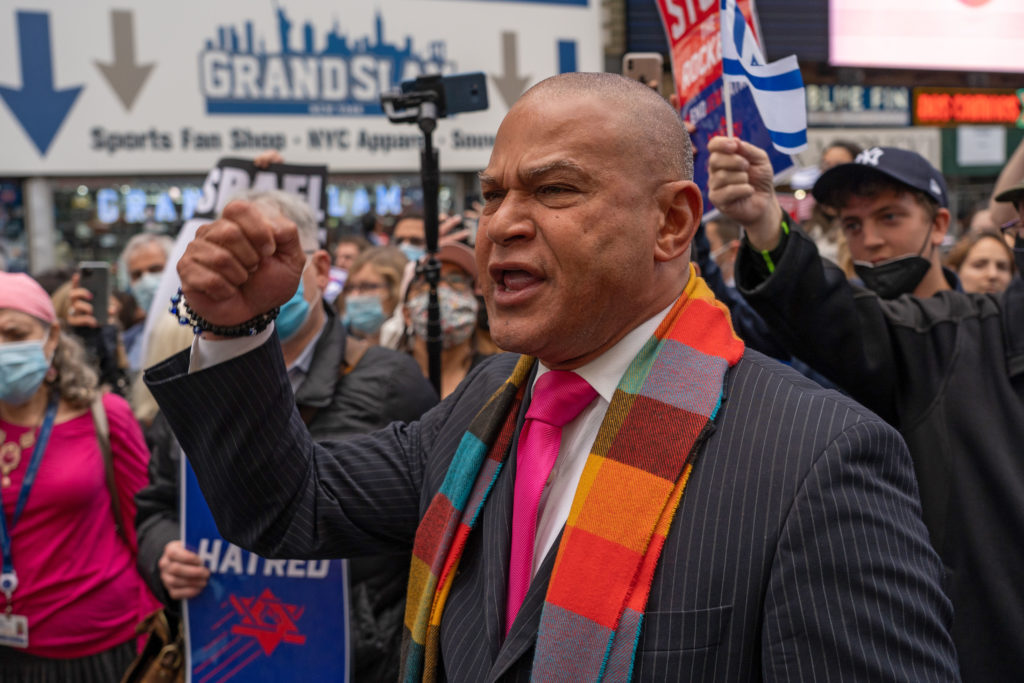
point(10, 454)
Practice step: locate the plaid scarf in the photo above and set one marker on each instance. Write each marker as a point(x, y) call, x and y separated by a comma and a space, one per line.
point(626, 499)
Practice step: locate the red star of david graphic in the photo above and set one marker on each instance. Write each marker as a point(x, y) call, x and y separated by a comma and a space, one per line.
point(268, 620)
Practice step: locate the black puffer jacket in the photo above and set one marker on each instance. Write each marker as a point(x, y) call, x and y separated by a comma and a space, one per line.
point(336, 401)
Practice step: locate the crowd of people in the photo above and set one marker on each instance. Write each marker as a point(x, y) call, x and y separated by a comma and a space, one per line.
point(661, 448)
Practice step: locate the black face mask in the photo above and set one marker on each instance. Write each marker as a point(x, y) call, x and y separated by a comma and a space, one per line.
point(896, 276)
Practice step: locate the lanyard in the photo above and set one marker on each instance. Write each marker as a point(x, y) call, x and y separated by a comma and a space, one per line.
point(8, 577)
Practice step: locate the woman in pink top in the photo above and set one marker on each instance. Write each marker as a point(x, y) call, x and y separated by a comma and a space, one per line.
point(70, 593)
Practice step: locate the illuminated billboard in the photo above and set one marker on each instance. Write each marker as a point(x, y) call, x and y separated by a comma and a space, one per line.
point(963, 35)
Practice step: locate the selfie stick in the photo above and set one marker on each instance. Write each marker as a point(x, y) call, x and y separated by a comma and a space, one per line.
point(422, 106)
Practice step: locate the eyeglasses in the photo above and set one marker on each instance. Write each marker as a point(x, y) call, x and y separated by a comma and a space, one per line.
point(364, 287)
point(456, 281)
point(136, 274)
point(1012, 228)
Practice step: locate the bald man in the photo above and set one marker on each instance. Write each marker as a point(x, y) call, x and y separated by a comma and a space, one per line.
point(634, 497)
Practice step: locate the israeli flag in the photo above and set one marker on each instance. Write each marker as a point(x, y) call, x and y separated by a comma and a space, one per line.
point(778, 88)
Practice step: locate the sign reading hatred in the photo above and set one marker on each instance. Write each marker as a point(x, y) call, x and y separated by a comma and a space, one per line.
point(258, 619)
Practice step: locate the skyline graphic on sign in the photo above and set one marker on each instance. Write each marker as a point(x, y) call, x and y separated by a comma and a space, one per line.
point(335, 74)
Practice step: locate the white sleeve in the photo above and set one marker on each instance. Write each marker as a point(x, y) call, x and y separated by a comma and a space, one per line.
point(209, 352)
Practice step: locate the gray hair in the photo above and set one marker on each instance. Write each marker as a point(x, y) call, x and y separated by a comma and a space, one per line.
point(144, 239)
point(76, 381)
point(293, 207)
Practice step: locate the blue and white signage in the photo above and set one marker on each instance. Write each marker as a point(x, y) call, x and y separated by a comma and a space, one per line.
point(138, 87)
point(261, 620)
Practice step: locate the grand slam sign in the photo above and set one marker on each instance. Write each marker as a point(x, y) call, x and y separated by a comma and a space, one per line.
point(89, 87)
point(342, 78)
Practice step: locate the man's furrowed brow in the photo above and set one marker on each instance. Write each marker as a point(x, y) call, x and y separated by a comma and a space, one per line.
point(486, 179)
point(560, 165)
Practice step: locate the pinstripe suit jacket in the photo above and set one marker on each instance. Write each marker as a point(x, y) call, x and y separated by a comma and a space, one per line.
point(798, 553)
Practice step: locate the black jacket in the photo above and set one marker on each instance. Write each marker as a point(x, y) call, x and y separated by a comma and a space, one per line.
point(948, 372)
point(336, 402)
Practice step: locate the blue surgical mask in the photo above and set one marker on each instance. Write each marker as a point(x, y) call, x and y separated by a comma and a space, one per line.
point(293, 313)
point(144, 289)
point(365, 313)
point(412, 252)
point(23, 366)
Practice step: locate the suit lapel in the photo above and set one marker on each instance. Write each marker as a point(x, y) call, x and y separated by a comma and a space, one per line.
point(497, 534)
point(495, 530)
point(523, 635)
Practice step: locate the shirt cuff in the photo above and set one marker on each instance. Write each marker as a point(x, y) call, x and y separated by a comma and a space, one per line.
point(209, 352)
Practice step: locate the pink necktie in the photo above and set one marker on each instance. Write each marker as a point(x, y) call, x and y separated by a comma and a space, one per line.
point(558, 397)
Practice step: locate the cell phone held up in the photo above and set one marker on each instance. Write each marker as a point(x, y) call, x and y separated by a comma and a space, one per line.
point(645, 67)
point(95, 277)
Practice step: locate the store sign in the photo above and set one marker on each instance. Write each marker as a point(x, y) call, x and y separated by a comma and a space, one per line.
point(964, 35)
point(955, 106)
point(343, 78)
point(89, 87)
point(857, 105)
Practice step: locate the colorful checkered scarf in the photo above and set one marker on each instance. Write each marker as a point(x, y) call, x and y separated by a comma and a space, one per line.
point(624, 504)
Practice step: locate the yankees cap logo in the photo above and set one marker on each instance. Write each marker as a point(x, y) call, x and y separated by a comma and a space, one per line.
point(870, 157)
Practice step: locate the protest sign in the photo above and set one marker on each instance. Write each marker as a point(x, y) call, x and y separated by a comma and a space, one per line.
point(258, 619)
point(693, 30)
point(225, 181)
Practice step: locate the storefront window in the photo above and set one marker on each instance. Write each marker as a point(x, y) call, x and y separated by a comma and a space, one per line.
point(13, 240)
point(349, 198)
point(95, 217)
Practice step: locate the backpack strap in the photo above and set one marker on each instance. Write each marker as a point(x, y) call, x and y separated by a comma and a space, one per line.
point(99, 419)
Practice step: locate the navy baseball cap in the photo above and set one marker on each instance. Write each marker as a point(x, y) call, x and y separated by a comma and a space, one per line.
point(1015, 194)
point(902, 165)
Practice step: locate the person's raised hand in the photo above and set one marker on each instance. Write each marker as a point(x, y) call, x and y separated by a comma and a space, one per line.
point(447, 232)
point(182, 571)
point(80, 305)
point(267, 157)
point(242, 265)
point(740, 185)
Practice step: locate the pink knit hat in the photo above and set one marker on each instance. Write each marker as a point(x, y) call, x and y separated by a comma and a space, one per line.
point(19, 292)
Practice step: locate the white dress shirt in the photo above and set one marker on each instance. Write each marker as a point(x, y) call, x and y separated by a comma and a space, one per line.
point(603, 374)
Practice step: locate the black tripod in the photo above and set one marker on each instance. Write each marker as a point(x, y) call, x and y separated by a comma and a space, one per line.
point(423, 102)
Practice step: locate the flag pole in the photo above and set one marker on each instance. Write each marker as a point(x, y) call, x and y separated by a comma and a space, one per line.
point(726, 87)
point(727, 99)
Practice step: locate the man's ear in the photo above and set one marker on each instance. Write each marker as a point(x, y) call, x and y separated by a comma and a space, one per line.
point(940, 226)
point(321, 265)
point(681, 209)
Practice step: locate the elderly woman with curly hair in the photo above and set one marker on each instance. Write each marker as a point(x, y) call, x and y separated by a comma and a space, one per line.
point(70, 593)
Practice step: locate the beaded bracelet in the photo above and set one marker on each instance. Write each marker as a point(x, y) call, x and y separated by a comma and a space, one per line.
point(200, 324)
